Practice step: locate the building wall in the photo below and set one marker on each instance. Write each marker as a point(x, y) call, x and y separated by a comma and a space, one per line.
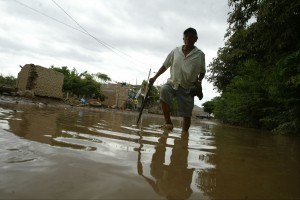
point(22, 78)
point(116, 94)
point(40, 80)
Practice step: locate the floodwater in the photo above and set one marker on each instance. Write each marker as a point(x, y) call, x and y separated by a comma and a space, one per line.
point(91, 153)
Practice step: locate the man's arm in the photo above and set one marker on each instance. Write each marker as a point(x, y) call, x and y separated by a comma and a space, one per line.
point(197, 90)
point(160, 71)
point(200, 77)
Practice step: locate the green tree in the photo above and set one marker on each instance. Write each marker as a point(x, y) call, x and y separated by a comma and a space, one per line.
point(8, 80)
point(102, 77)
point(80, 84)
point(153, 93)
point(208, 107)
point(257, 71)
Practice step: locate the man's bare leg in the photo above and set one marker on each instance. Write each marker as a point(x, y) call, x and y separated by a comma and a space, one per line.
point(166, 112)
point(186, 123)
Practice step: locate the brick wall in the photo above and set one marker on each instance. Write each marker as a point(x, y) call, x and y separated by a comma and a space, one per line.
point(116, 94)
point(42, 81)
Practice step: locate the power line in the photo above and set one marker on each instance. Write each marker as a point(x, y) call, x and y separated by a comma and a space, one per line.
point(99, 41)
point(35, 10)
point(111, 48)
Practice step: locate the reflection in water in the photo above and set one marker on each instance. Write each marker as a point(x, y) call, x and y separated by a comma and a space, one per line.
point(211, 162)
point(207, 181)
point(172, 181)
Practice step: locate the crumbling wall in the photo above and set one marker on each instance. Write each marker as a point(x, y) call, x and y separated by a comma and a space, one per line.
point(23, 78)
point(42, 81)
point(116, 94)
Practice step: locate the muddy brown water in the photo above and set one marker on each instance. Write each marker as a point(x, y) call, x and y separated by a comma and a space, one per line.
point(90, 153)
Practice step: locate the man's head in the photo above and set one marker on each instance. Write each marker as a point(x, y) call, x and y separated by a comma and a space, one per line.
point(191, 31)
point(190, 36)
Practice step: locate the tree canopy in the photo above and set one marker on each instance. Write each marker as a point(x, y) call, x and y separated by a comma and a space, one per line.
point(102, 77)
point(257, 72)
point(7, 80)
point(82, 83)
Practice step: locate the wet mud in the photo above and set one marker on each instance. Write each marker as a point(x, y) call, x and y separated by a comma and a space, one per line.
point(55, 151)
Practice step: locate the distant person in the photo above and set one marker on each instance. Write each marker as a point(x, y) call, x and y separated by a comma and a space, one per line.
point(135, 102)
point(187, 69)
point(83, 100)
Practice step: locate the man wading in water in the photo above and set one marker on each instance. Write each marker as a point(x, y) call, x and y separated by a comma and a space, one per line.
point(187, 69)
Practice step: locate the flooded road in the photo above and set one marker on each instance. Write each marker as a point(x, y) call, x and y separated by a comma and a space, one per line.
point(89, 153)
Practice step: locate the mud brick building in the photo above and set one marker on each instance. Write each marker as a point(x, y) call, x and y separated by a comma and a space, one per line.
point(117, 94)
point(41, 81)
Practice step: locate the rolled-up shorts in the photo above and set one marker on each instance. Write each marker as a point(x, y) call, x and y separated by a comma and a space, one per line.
point(185, 100)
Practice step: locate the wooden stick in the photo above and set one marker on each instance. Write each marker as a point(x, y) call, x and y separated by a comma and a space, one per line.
point(143, 104)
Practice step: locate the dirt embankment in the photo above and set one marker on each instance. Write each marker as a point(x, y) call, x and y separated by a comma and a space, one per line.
point(36, 100)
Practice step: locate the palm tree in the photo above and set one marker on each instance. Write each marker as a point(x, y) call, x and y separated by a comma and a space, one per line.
point(102, 77)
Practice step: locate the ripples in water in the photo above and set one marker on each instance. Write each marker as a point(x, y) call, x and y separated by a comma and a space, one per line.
point(210, 162)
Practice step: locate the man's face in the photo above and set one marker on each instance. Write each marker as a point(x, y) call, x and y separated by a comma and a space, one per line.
point(189, 39)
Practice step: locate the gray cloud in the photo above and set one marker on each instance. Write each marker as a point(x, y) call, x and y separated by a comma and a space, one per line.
point(139, 33)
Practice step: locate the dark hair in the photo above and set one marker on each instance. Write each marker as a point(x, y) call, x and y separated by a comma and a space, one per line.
point(190, 30)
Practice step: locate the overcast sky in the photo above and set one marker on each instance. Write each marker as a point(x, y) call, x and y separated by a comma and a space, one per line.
point(124, 38)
